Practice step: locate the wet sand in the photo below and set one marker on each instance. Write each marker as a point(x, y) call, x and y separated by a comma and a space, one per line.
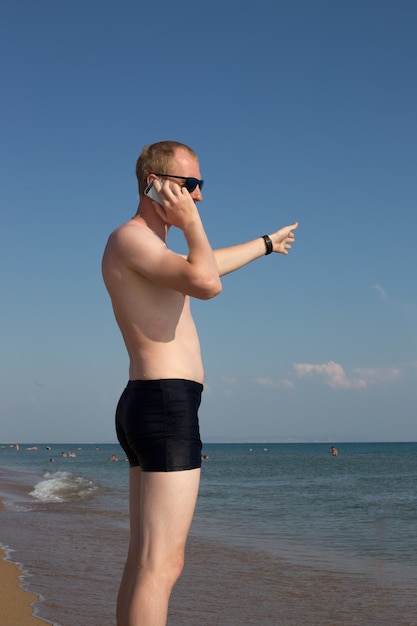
point(225, 586)
point(15, 603)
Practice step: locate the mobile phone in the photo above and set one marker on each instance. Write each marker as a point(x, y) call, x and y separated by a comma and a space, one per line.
point(151, 192)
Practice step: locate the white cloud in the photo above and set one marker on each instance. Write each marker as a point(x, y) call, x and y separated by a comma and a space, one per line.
point(381, 291)
point(375, 375)
point(285, 383)
point(333, 373)
point(336, 377)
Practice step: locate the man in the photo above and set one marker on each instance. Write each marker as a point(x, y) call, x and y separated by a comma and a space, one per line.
point(156, 418)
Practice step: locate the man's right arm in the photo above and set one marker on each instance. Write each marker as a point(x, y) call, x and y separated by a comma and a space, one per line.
point(140, 250)
point(196, 274)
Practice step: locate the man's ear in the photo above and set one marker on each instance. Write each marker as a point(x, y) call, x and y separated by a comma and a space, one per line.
point(150, 178)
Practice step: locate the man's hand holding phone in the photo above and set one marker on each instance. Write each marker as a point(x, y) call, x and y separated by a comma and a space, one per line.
point(173, 203)
point(151, 192)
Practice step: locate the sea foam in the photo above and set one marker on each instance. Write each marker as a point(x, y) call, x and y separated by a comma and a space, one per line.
point(62, 487)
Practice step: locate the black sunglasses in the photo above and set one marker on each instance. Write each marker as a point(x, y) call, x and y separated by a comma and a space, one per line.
point(190, 183)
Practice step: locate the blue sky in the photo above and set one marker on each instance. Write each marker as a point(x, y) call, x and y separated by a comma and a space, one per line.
point(299, 110)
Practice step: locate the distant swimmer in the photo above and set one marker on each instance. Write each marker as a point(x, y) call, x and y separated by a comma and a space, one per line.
point(334, 451)
point(113, 458)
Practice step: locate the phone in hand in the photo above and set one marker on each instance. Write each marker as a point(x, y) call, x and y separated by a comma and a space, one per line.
point(151, 192)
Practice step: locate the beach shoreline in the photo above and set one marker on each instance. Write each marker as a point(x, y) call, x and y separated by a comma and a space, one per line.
point(16, 604)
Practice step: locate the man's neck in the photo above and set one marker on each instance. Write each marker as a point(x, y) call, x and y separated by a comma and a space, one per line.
point(148, 216)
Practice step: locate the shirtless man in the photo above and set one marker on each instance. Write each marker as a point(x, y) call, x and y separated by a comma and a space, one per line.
point(156, 418)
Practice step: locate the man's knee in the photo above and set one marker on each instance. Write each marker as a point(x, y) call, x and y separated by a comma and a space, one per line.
point(175, 566)
point(167, 569)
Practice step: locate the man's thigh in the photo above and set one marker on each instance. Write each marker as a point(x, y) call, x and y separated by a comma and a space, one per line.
point(162, 507)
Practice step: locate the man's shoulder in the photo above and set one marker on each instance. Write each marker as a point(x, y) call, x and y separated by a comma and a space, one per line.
point(131, 243)
point(131, 226)
point(128, 232)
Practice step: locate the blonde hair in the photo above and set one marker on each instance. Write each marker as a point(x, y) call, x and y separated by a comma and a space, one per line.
point(156, 159)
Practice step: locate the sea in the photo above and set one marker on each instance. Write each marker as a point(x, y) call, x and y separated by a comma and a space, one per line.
point(283, 534)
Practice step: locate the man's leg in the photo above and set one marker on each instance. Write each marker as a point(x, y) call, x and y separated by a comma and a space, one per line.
point(161, 510)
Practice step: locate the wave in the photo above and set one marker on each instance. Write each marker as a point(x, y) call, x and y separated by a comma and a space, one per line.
point(63, 487)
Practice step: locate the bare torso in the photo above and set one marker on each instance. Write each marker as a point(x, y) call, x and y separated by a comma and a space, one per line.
point(155, 321)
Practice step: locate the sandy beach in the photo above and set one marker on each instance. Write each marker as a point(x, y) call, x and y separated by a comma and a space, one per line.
point(15, 603)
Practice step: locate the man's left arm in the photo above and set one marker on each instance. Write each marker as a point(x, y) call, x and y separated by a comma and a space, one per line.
point(234, 257)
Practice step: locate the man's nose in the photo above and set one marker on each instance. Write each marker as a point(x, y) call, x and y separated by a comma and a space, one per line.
point(196, 195)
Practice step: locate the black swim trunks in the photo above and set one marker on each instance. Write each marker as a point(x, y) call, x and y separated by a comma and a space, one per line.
point(157, 424)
